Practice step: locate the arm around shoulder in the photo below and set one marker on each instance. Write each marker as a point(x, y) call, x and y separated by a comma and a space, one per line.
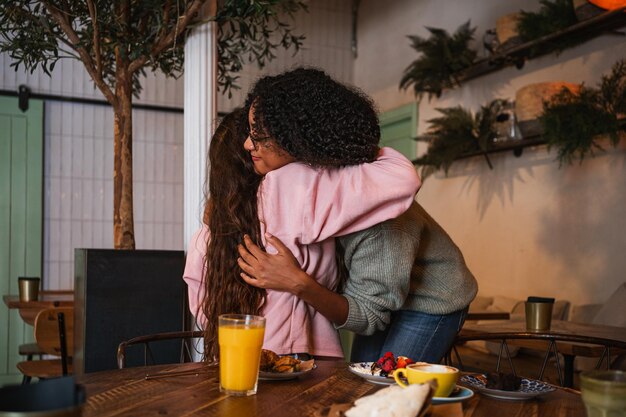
point(331, 202)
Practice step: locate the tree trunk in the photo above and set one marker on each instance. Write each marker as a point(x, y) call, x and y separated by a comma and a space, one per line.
point(123, 222)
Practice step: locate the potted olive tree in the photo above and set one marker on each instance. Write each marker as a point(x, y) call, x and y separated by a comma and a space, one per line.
point(120, 294)
point(118, 41)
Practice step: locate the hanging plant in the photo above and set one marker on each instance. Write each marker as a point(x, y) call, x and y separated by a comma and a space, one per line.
point(574, 122)
point(553, 16)
point(443, 58)
point(458, 132)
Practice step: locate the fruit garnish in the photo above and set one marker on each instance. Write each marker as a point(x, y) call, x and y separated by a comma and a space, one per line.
point(403, 361)
point(387, 364)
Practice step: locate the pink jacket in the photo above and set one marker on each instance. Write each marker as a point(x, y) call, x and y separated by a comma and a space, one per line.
point(305, 208)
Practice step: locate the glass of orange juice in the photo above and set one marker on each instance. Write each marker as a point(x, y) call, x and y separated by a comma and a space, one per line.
point(240, 337)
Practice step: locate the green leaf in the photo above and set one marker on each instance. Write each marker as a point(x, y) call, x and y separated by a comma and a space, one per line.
point(443, 58)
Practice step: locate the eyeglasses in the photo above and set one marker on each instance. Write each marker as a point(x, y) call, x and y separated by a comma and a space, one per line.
point(265, 141)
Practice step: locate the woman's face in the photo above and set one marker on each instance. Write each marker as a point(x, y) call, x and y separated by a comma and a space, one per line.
point(266, 154)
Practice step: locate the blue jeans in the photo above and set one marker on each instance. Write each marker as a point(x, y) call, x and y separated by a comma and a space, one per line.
point(419, 336)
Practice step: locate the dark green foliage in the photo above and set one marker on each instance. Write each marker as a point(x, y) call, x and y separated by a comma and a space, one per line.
point(252, 29)
point(458, 132)
point(553, 16)
point(442, 59)
point(573, 122)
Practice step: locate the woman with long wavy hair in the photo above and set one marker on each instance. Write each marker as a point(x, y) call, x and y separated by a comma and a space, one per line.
point(230, 213)
point(261, 189)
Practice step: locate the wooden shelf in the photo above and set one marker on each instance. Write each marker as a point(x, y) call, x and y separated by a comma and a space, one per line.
point(511, 145)
point(518, 55)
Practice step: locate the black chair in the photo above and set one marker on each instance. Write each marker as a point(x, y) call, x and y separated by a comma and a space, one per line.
point(186, 346)
point(60, 396)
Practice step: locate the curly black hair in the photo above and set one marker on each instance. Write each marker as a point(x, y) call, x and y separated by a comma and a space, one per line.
point(314, 118)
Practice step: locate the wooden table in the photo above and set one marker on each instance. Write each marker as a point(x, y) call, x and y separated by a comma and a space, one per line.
point(29, 309)
point(572, 339)
point(488, 315)
point(127, 392)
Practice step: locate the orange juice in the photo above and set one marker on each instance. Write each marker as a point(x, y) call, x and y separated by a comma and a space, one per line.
point(240, 353)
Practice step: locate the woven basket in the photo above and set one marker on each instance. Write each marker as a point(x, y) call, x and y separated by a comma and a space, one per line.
point(506, 31)
point(585, 10)
point(529, 104)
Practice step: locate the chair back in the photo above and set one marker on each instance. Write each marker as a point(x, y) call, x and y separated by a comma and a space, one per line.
point(186, 347)
point(48, 335)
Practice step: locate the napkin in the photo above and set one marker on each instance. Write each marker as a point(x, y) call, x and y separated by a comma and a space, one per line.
point(393, 401)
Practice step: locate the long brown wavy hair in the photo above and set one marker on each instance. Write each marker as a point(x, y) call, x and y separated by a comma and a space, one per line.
point(230, 212)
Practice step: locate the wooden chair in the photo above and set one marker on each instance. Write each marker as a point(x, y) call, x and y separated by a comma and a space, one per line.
point(54, 335)
point(148, 359)
point(29, 350)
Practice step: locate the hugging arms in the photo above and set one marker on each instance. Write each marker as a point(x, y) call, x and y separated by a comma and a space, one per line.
point(256, 184)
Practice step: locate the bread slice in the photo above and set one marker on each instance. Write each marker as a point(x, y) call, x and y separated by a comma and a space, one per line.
point(393, 401)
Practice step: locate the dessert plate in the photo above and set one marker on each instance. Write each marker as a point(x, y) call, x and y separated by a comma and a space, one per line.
point(530, 388)
point(364, 370)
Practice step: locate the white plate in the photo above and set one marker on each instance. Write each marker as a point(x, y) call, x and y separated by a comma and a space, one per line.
point(530, 388)
point(364, 370)
point(459, 394)
point(278, 376)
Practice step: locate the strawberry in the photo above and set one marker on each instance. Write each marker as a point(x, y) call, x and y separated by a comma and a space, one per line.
point(385, 357)
point(387, 364)
point(403, 361)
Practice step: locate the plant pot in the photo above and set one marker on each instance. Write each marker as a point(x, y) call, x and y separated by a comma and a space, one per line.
point(585, 10)
point(529, 104)
point(506, 31)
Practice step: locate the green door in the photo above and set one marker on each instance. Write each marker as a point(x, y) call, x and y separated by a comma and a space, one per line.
point(21, 219)
point(398, 129)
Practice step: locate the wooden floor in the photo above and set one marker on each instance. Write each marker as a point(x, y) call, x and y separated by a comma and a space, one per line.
point(526, 365)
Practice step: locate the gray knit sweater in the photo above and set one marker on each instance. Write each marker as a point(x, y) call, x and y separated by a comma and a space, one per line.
point(407, 263)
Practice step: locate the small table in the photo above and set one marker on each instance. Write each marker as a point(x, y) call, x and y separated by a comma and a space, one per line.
point(29, 309)
point(127, 392)
point(488, 315)
point(572, 339)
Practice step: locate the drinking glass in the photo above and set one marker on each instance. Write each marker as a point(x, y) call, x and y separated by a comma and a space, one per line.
point(538, 313)
point(240, 337)
point(28, 288)
point(604, 393)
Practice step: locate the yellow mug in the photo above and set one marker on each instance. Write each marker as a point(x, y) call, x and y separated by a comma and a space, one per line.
point(419, 373)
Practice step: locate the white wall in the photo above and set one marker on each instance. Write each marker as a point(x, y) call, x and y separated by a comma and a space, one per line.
point(527, 227)
point(328, 31)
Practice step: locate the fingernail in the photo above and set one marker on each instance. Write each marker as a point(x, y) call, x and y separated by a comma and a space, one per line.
point(268, 235)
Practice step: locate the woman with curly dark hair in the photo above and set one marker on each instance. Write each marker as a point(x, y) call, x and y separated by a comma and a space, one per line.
point(408, 288)
point(304, 206)
point(314, 118)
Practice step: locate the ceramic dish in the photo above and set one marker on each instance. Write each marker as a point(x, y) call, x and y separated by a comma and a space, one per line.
point(530, 388)
point(459, 394)
point(278, 376)
point(364, 370)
